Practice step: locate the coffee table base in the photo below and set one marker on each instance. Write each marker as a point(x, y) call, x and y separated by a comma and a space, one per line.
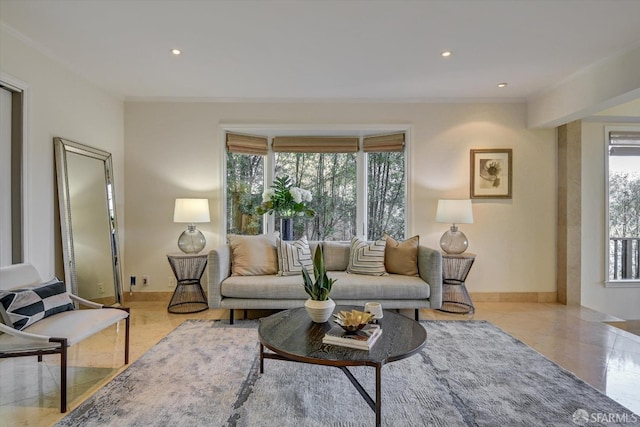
point(375, 405)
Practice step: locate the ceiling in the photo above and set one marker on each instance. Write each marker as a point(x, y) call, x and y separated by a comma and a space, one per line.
point(326, 50)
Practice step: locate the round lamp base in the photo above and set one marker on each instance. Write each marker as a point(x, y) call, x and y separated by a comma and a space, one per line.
point(191, 241)
point(454, 242)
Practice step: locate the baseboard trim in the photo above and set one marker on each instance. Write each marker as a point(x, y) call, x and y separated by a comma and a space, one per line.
point(514, 296)
point(148, 296)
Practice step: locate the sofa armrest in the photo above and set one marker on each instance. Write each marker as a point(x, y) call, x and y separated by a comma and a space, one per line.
point(218, 269)
point(430, 270)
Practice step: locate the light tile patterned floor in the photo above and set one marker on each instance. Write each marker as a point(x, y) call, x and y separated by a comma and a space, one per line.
point(576, 338)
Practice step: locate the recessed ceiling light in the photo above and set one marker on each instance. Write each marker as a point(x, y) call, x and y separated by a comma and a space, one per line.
point(176, 51)
point(446, 54)
point(503, 84)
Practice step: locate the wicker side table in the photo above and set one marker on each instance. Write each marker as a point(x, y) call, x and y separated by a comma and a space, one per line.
point(455, 269)
point(188, 296)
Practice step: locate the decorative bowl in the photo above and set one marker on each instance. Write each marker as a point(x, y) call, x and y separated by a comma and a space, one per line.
point(352, 321)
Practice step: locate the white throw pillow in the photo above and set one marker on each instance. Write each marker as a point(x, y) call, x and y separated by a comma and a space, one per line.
point(293, 257)
point(367, 258)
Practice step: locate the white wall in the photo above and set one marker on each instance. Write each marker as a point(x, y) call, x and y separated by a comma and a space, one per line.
point(60, 103)
point(174, 150)
point(621, 302)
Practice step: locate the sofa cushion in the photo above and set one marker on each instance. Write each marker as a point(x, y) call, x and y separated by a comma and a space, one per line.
point(74, 325)
point(347, 287)
point(25, 306)
point(401, 257)
point(253, 255)
point(367, 258)
point(293, 257)
point(336, 255)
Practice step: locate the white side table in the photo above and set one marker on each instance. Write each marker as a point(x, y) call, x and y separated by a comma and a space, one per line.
point(188, 296)
point(455, 269)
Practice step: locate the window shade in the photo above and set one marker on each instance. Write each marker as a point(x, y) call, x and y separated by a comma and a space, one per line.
point(384, 143)
point(247, 144)
point(624, 138)
point(314, 144)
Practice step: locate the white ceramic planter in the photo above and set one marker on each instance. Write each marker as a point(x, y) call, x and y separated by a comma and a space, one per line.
point(319, 311)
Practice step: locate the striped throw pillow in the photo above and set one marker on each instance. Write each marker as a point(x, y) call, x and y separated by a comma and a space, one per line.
point(367, 258)
point(25, 306)
point(293, 257)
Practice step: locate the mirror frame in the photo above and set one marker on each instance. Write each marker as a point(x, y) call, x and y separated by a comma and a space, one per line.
point(62, 147)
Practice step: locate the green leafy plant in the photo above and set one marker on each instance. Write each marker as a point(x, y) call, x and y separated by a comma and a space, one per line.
point(320, 289)
point(285, 200)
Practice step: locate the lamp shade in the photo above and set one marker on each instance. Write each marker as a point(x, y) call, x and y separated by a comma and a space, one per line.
point(191, 211)
point(454, 212)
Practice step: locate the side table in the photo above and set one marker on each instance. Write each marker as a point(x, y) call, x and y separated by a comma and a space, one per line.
point(188, 296)
point(455, 297)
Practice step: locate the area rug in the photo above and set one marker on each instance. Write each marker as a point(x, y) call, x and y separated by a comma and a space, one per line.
point(470, 373)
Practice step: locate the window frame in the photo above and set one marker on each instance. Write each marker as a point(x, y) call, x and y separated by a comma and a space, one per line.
point(608, 281)
point(361, 131)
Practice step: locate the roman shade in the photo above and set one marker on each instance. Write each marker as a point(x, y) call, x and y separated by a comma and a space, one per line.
point(247, 144)
point(384, 143)
point(314, 144)
point(624, 138)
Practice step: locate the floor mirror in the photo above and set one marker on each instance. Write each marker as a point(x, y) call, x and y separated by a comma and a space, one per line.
point(88, 221)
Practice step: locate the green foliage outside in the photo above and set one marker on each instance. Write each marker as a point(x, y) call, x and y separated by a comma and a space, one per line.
point(245, 183)
point(624, 204)
point(624, 222)
point(331, 178)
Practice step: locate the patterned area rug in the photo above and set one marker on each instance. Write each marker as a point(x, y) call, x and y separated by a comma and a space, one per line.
point(469, 374)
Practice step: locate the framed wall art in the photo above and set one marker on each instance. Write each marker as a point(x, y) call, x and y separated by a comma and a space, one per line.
point(491, 172)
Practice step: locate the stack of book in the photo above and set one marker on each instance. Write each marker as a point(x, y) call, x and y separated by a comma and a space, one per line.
point(361, 340)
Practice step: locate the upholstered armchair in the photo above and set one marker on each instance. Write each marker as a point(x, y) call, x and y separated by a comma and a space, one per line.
point(40, 318)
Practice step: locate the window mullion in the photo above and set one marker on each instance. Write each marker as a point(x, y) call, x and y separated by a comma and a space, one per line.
point(269, 175)
point(361, 192)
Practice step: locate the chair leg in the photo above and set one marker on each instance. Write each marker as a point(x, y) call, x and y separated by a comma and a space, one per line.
point(417, 315)
point(63, 372)
point(126, 339)
point(39, 357)
point(231, 316)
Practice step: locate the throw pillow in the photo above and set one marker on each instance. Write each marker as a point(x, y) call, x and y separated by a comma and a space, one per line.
point(367, 258)
point(293, 257)
point(253, 255)
point(25, 306)
point(401, 257)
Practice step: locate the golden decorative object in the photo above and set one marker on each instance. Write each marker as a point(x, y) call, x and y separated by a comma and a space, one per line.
point(352, 321)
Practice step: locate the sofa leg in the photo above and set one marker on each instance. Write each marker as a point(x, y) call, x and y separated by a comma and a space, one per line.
point(417, 315)
point(231, 316)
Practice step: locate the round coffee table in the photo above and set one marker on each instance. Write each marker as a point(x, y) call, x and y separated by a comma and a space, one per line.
point(292, 336)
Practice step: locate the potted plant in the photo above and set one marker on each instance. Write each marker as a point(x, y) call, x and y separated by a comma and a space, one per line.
point(319, 305)
point(286, 201)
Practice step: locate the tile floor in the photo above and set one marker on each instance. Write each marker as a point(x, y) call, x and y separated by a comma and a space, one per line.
point(576, 338)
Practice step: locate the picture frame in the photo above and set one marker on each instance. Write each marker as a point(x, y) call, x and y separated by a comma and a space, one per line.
point(491, 173)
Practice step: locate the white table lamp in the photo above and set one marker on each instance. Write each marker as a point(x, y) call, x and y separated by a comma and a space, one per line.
point(453, 241)
point(191, 211)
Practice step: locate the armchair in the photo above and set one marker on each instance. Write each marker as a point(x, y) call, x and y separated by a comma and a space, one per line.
point(55, 333)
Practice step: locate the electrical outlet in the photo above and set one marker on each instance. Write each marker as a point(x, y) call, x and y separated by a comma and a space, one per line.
point(172, 282)
point(146, 280)
point(101, 287)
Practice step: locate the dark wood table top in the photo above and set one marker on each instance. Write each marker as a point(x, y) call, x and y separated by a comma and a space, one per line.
point(292, 334)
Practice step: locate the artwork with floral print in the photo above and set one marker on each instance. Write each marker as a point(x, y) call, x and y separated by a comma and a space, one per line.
point(491, 174)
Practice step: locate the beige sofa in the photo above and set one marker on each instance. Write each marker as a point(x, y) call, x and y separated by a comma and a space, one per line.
point(393, 291)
